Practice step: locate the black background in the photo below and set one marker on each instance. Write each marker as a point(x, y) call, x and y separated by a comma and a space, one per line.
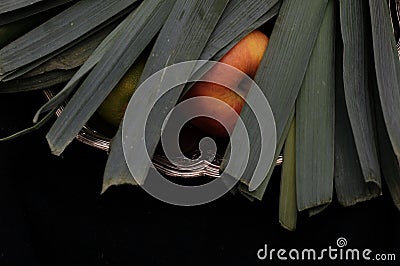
point(52, 213)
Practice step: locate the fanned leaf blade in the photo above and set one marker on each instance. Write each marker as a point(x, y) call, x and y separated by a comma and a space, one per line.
point(239, 19)
point(12, 11)
point(116, 171)
point(359, 81)
point(387, 66)
point(350, 185)
point(89, 64)
point(184, 29)
point(59, 69)
point(389, 163)
point(31, 66)
point(270, 14)
point(11, 5)
point(12, 31)
point(315, 121)
point(217, 44)
point(37, 82)
point(287, 195)
point(132, 39)
point(56, 33)
point(282, 70)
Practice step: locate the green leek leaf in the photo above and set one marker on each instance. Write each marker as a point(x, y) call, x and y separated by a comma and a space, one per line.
point(287, 195)
point(359, 81)
point(387, 66)
point(315, 121)
point(56, 34)
point(282, 70)
point(132, 39)
point(189, 24)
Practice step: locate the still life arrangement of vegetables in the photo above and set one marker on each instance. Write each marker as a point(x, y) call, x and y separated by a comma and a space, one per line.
point(330, 70)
